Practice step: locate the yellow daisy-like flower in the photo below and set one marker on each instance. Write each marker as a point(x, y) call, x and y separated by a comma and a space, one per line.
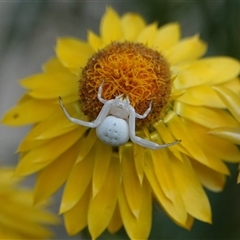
point(19, 219)
point(107, 187)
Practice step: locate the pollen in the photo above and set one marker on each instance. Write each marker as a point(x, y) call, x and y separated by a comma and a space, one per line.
point(131, 69)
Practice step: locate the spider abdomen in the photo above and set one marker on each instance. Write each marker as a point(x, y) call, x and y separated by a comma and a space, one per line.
point(113, 131)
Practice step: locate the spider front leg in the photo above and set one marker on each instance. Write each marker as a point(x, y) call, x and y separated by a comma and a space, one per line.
point(100, 89)
point(101, 116)
point(140, 141)
point(146, 112)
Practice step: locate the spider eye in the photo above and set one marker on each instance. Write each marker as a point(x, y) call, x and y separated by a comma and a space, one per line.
point(113, 131)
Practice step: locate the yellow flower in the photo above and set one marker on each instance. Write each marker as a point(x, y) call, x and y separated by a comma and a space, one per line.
point(107, 187)
point(19, 219)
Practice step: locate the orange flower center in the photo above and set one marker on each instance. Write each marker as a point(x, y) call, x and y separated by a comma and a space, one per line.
point(131, 69)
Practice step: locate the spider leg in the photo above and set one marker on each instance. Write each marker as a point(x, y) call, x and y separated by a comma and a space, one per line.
point(119, 96)
point(101, 116)
point(128, 101)
point(146, 112)
point(100, 89)
point(104, 111)
point(143, 142)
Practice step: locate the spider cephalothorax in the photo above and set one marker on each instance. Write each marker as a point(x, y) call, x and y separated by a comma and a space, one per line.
point(115, 123)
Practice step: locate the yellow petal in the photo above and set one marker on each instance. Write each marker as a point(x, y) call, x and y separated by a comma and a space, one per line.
point(194, 197)
point(28, 144)
point(137, 228)
point(61, 168)
point(193, 73)
point(238, 178)
point(131, 183)
point(22, 206)
point(201, 96)
point(165, 134)
point(116, 221)
point(147, 36)
point(86, 144)
point(180, 130)
point(138, 152)
point(56, 124)
point(73, 53)
point(53, 65)
point(231, 134)
point(76, 218)
point(231, 99)
point(16, 203)
point(212, 145)
point(208, 117)
point(167, 36)
point(29, 230)
point(176, 93)
point(102, 206)
point(6, 174)
point(51, 85)
point(77, 182)
point(104, 153)
point(226, 68)
point(212, 180)
point(186, 50)
point(40, 157)
point(163, 170)
point(189, 223)
point(94, 40)
point(211, 70)
point(216, 164)
point(233, 85)
point(25, 112)
point(193, 145)
point(175, 209)
point(69, 99)
point(132, 25)
point(110, 27)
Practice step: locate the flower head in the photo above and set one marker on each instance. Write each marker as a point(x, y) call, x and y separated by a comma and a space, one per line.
point(19, 218)
point(107, 187)
point(131, 69)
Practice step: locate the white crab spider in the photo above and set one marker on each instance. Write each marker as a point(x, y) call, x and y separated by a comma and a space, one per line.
point(115, 123)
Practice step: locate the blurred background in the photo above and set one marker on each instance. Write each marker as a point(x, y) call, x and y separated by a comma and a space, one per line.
point(28, 32)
